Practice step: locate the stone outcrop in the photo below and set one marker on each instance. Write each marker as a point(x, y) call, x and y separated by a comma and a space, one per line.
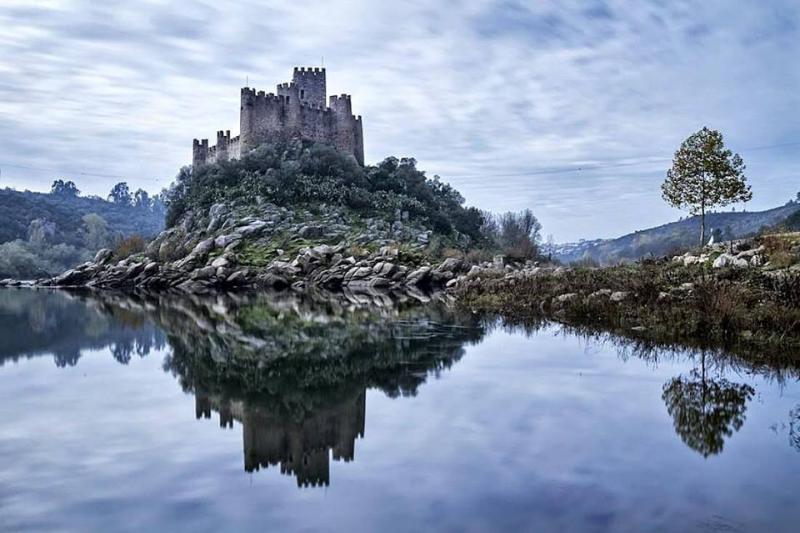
point(231, 247)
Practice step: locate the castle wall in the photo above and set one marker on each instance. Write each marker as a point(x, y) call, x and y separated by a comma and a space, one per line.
point(296, 110)
point(227, 148)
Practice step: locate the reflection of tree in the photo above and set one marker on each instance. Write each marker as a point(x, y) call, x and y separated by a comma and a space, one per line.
point(66, 357)
point(122, 351)
point(794, 427)
point(61, 324)
point(705, 411)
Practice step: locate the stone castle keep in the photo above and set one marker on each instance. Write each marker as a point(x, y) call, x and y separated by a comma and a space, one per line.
point(298, 110)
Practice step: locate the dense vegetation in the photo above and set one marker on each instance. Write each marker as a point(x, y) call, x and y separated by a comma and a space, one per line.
point(44, 234)
point(299, 174)
point(302, 174)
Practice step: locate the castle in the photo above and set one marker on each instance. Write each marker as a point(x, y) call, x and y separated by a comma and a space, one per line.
point(298, 110)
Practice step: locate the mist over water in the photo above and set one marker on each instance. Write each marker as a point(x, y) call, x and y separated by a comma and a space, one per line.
point(315, 412)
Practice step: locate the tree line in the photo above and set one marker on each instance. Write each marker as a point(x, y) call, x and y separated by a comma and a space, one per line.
point(120, 194)
point(43, 234)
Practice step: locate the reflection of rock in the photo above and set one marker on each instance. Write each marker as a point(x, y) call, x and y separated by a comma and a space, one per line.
point(294, 370)
point(705, 411)
point(301, 447)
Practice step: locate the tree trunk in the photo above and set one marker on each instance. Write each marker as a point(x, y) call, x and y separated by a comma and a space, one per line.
point(702, 226)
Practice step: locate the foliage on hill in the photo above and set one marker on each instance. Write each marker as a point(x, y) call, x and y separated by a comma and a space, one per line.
point(44, 234)
point(301, 174)
point(65, 211)
point(792, 222)
point(677, 236)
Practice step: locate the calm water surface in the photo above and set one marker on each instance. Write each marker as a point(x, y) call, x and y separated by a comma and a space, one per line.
point(286, 413)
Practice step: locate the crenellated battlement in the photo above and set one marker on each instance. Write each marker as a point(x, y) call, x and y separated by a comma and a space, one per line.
point(296, 110)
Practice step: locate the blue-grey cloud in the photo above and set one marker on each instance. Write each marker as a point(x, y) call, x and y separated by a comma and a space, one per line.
point(489, 94)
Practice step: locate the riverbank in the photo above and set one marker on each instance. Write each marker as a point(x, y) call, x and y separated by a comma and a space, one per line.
point(744, 296)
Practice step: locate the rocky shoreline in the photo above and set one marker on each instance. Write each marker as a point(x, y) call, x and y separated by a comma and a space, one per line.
point(263, 246)
point(323, 266)
point(247, 248)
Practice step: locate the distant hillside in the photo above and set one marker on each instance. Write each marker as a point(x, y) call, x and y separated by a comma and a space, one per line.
point(19, 208)
point(44, 234)
point(674, 236)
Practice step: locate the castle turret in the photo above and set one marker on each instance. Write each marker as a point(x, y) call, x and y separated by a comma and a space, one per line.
point(311, 85)
point(199, 153)
point(247, 134)
point(290, 93)
point(347, 133)
point(223, 140)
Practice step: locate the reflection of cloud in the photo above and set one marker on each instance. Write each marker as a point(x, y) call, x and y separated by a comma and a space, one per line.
point(484, 87)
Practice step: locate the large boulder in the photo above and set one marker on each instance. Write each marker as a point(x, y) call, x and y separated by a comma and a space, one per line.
point(71, 278)
point(618, 296)
point(420, 276)
point(216, 214)
point(564, 298)
point(357, 273)
point(311, 232)
point(384, 268)
point(451, 264)
point(251, 229)
point(224, 240)
point(103, 256)
point(283, 268)
point(728, 260)
point(203, 248)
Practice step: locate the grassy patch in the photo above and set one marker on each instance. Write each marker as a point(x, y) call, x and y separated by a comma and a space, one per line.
point(663, 301)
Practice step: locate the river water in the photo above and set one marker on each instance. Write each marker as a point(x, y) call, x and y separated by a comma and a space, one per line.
point(348, 413)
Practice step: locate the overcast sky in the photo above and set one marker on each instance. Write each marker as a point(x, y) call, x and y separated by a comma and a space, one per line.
point(503, 99)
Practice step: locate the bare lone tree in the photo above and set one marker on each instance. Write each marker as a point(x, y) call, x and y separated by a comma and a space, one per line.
point(705, 175)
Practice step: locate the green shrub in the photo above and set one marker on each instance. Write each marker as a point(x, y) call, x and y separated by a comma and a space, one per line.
point(303, 173)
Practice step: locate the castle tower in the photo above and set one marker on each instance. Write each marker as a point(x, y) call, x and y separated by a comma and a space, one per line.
point(247, 120)
point(347, 135)
point(290, 95)
point(311, 85)
point(199, 153)
point(223, 140)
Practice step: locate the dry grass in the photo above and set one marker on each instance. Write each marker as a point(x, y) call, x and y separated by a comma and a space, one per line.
point(728, 308)
point(128, 246)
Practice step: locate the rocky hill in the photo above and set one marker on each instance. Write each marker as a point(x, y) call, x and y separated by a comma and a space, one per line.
point(675, 236)
point(295, 215)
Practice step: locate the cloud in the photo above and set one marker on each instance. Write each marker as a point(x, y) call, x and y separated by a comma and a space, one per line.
point(489, 94)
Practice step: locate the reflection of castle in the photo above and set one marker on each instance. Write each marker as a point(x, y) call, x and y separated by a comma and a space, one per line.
point(301, 447)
